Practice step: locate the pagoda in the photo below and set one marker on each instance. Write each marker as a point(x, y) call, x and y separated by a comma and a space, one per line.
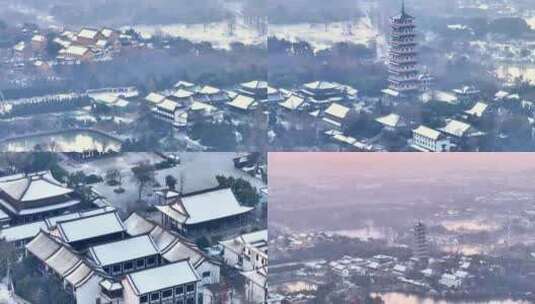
point(402, 59)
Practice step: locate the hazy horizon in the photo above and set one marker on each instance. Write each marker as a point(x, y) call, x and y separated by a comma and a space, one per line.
point(315, 191)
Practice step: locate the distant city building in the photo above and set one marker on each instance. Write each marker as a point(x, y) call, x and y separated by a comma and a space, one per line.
point(467, 94)
point(402, 65)
point(420, 242)
point(256, 89)
point(321, 93)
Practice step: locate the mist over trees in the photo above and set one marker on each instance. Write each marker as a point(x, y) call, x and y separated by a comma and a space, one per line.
point(313, 11)
point(125, 12)
point(294, 63)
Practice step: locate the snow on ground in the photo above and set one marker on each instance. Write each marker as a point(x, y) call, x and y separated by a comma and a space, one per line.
point(362, 33)
point(215, 33)
point(198, 171)
point(5, 297)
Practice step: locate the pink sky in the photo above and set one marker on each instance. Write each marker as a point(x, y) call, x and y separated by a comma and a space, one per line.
point(292, 163)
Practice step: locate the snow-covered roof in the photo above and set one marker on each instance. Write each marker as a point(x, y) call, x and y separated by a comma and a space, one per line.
point(257, 239)
point(63, 260)
point(171, 246)
point(43, 246)
point(88, 33)
point(344, 139)
point(52, 221)
point(272, 90)
point(162, 277)
point(255, 84)
point(293, 102)
point(62, 42)
point(168, 105)
point(32, 187)
point(181, 93)
point(162, 238)
point(184, 84)
point(446, 97)
point(456, 128)
point(101, 43)
point(111, 100)
point(79, 275)
point(123, 250)
point(466, 90)
point(321, 85)
point(337, 110)
point(201, 106)
point(427, 132)
point(501, 94)
point(60, 258)
point(183, 250)
point(110, 285)
point(242, 102)
point(101, 225)
point(76, 50)
point(22, 232)
point(155, 98)
point(478, 109)
point(38, 38)
point(209, 90)
point(390, 92)
point(391, 120)
point(137, 225)
point(206, 206)
point(106, 32)
point(400, 268)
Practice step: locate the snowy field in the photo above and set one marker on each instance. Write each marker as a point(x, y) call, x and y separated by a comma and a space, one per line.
point(5, 297)
point(322, 37)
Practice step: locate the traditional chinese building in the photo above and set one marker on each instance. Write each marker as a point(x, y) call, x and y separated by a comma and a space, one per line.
point(31, 197)
point(205, 211)
point(402, 61)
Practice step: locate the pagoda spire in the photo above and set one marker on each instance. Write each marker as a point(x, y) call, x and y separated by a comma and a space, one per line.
point(403, 7)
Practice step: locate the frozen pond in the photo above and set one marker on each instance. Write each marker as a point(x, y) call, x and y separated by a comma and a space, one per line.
point(400, 298)
point(68, 141)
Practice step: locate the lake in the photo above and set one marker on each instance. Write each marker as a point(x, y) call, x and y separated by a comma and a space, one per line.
point(68, 141)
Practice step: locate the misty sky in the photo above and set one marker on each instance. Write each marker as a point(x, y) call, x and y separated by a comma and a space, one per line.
point(342, 190)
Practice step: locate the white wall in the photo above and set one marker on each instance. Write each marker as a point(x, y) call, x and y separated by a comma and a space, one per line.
point(214, 273)
point(88, 293)
point(128, 294)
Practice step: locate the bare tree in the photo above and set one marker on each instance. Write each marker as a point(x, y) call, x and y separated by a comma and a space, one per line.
point(144, 176)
